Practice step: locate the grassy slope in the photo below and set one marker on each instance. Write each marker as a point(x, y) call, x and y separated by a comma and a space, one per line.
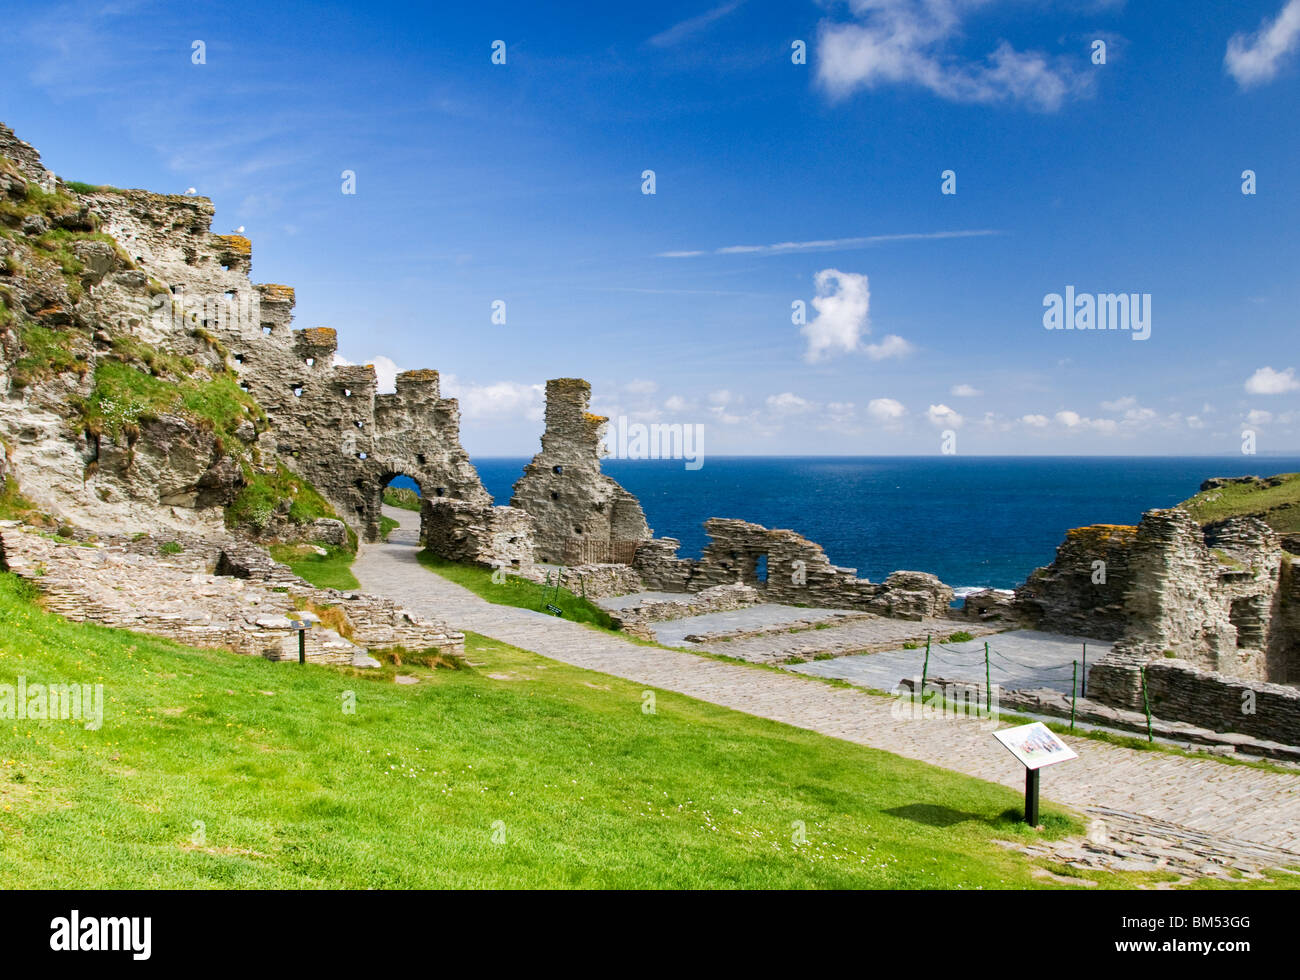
point(515, 591)
point(403, 497)
point(332, 570)
point(1278, 505)
point(590, 790)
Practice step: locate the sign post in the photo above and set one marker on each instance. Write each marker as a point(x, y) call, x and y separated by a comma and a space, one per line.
point(1036, 746)
point(302, 626)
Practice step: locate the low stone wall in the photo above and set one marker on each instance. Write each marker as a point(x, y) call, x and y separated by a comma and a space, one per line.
point(1178, 689)
point(636, 620)
point(602, 581)
point(481, 535)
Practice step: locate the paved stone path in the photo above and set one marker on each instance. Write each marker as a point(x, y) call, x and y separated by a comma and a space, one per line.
point(1239, 806)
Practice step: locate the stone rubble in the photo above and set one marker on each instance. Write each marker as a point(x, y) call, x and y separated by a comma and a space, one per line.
point(211, 595)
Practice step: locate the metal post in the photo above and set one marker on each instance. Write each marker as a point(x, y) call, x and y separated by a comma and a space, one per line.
point(1085, 671)
point(1031, 797)
point(988, 684)
point(1074, 682)
point(302, 646)
point(1145, 703)
point(925, 667)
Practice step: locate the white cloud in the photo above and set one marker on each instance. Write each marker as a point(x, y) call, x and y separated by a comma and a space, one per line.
point(725, 406)
point(911, 42)
point(1073, 420)
point(843, 305)
point(1069, 419)
point(885, 409)
point(788, 403)
point(640, 386)
point(496, 400)
point(676, 403)
point(1258, 416)
point(1266, 381)
point(841, 412)
point(890, 345)
point(1037, 421)
point(1253, 59)
point(964, 391)
point(944, 417)
point(1119, 404)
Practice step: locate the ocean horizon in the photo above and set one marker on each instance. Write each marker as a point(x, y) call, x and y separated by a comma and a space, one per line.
point(974, 521)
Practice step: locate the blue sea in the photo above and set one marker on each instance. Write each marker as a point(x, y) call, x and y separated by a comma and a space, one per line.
point(975, 521)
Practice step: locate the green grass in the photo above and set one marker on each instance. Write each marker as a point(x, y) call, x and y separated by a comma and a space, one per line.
point(48, 352)
point(170, 548)
point(13, 505)
point(586, 789)
point(258, 499)
point(581, 786)
point(403, 497)
point(1274, 499)
point(515, 591)
point(81, 187)
point(332, 570)
point(386, 526)
point(124, 395)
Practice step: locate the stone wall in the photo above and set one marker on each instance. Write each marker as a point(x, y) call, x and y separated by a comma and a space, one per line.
point(499, 537)
point(1220, 603)
point(1181, 690)
point(636, 620)
point(1074, 594)
point(582, 516)
point(785, 567)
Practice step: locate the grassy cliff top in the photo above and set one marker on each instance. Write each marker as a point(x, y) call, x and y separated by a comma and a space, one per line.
point(1273, 499)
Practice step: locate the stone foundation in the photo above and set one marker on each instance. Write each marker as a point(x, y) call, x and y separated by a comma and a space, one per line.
point(212, 594)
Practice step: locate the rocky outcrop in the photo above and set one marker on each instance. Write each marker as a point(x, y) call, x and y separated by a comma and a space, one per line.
point(582, 516)
point(785, 567)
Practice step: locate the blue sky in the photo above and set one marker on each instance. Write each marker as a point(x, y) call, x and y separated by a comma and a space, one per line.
point(522, 182)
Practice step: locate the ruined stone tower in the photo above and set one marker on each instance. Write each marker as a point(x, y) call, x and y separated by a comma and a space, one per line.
point(165, 286)
point(581, 514)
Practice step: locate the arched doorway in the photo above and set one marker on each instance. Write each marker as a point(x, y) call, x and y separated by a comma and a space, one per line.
point(399, 509)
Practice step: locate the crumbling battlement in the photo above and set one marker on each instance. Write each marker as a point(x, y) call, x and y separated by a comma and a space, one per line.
point(582, 515)
point(786, 567)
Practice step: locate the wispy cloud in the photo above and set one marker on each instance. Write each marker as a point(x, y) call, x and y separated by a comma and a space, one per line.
point(912, 42)
point(1253, 59)
point(682, 30)
point(828, 244)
